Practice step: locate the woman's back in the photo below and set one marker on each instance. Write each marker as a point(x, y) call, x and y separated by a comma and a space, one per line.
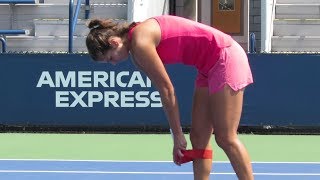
point(189, 42)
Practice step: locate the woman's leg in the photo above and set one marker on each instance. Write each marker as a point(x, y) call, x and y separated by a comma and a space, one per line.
point(201, 132)
point(226, 107)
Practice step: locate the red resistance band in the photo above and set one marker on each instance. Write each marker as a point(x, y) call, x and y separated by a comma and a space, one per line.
point(190, 155)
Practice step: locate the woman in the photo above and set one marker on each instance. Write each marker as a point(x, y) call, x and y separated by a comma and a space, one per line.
point(223, 73)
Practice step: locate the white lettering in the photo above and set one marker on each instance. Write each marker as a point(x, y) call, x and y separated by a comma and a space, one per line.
point(71, 77)
point(112, 79)
point(94, 97)
point(62, 99)
point(84, 79)
point(88, 79)
point(78, 99)
point(111, 97)
point(119, 78)
point(127, 99)
point(136, 79)
point(45, 78)
point(100, 77)
point(117, 94)
point(148, 82)
point(143, 101)
point(155, 97)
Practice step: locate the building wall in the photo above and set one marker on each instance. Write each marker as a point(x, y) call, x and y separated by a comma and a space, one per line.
point(255, 21)
point(143, 9)
point(184, 9)
point(187, 8)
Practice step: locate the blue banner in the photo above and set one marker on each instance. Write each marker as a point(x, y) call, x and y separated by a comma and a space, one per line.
point(72, 90)
point(62, 89)
point(285, 91)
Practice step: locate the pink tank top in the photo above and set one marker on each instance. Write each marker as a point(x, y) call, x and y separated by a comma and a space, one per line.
point(189, 42)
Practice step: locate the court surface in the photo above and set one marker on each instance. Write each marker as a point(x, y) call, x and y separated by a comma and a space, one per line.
point(136, 170)
point(134, 157)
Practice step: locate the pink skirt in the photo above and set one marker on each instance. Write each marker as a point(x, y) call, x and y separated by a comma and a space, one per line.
point(232, 69)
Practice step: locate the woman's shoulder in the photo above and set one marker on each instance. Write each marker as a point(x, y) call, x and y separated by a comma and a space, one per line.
point(147, 30)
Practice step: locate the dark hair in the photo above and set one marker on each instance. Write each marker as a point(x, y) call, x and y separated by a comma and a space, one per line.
point(100, 31)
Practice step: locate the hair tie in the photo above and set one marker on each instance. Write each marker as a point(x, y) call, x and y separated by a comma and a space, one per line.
point(96, 26)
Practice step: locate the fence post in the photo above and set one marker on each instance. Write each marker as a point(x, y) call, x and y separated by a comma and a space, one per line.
point(252, 43)
point(4, 45)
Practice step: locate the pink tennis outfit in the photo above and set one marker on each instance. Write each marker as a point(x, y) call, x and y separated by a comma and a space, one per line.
point(218, 58)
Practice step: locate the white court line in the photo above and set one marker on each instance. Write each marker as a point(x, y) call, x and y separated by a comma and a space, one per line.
point(155, 173)
point(133, 161)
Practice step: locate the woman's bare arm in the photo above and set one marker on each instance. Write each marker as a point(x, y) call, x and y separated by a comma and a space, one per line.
point(143, 49)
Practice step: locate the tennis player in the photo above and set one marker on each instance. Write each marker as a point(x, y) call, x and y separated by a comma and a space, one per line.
point(223, 74)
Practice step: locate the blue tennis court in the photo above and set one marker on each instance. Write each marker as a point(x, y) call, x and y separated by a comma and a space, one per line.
point(29, 169)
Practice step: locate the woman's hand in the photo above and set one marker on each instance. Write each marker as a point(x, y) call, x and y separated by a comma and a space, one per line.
point(180, 143)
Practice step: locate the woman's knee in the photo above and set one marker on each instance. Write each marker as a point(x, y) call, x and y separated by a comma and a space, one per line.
point(226, 141)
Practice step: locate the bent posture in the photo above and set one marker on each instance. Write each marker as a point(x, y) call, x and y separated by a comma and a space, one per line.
point(223, 73)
